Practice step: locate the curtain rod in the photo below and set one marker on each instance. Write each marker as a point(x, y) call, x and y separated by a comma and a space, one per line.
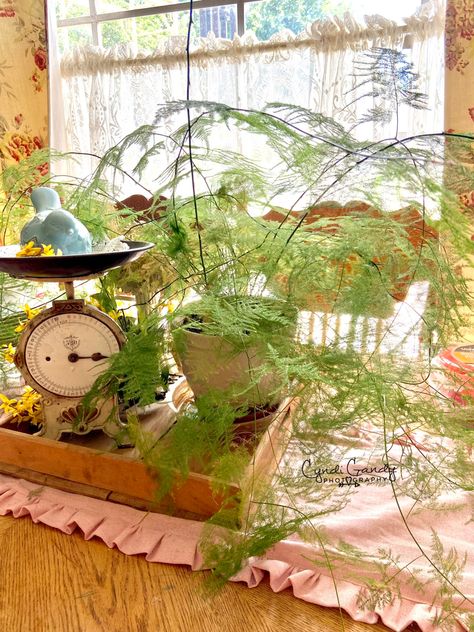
point(103, 57)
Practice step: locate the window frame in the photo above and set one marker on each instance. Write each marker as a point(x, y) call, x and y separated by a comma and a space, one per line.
point(94, 18)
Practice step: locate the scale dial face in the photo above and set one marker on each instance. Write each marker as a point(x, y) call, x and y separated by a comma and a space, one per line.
point(66, 353)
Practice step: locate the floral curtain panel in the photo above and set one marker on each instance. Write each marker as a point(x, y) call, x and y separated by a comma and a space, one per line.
point(459, 81)
point(23, 80)
point(459, 98)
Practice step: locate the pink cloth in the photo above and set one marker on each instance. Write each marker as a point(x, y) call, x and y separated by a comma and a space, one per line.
point(289, 564)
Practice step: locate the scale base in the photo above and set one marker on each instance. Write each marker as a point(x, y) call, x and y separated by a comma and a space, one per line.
point(60, 417)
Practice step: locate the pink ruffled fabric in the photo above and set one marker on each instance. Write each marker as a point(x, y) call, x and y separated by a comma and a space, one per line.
point(170, 540)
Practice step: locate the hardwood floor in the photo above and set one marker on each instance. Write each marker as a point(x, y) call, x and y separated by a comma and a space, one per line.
point(52, 582)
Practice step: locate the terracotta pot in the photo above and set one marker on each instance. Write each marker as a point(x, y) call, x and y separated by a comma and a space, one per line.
point(254, 424)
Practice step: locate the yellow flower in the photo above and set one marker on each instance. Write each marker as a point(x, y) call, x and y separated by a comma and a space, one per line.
point(30, 250)
point(113, 314)
point(5, 400)
point(170, 306)
point(48, 251)
point(25, 408)
point(93, 301)
point(45, 250)
point(30, 313)
point(9, 353)
point(29, 405)
point(8, 405)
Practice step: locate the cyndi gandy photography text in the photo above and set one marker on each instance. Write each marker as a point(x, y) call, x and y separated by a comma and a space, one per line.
point(349, 473)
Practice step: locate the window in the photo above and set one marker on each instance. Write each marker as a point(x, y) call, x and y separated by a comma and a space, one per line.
point(146, 22)
point(106, 92)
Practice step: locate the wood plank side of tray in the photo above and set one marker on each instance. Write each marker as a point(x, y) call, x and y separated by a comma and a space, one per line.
point(122, 476)
point(266, 459)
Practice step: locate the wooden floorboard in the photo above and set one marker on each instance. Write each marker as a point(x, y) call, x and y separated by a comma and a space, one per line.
point(53, 582)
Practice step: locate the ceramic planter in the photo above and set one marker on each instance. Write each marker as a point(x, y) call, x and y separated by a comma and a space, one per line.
point(212, 363)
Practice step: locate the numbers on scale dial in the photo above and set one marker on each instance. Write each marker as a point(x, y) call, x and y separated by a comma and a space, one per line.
point(50, 347)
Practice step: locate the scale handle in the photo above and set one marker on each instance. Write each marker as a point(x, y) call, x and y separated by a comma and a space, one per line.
point(69, 287)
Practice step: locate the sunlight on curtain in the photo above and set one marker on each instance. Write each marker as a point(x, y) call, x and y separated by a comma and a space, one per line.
point(107, 93)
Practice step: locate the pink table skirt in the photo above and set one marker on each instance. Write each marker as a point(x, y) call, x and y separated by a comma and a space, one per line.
point(176, 541)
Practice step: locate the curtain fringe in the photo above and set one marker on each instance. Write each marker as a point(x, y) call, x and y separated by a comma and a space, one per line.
point(322, 36)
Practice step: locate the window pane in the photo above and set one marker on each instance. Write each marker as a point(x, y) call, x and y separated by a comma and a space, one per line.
point(268, 17)
point(391, 10)
point(146, 32)
point(71, 36)
point(222, 21)
point(71, 9)
point(109, 6)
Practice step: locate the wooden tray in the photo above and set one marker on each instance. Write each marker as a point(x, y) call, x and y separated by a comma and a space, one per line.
point(92, 464)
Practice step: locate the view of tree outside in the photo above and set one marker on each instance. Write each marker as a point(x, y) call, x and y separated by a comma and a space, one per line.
point(71, 36)
point(146, 31)
point(271, 16)
point(107, 6)
point(264, 17)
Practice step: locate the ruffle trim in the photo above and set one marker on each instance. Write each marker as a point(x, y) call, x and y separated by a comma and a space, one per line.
point(325, 34)
point(171, 540)
point(315, 587)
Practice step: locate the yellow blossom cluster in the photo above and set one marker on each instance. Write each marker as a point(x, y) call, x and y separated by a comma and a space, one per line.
point(30, 313)
point(112, 313)
point(9, 353)
point(31, 250)
point(25, 408)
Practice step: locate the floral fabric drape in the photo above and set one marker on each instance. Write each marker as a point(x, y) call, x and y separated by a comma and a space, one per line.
point(459, 82)
point(23, 80)
point(459, 99)
point(459, 103)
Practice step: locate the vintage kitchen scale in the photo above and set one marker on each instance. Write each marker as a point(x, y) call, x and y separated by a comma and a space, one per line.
point(63, 349)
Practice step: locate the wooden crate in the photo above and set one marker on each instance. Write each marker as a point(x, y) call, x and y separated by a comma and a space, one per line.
point(92, 464)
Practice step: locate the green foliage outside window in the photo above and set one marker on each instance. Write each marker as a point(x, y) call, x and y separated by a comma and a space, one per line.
point(265, 18)
point(271, 16)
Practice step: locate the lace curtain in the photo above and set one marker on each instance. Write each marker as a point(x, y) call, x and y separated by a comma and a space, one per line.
point(100, 95)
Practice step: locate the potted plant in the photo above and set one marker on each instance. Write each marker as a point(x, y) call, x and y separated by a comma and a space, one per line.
point(234, 364)
point(236, 246)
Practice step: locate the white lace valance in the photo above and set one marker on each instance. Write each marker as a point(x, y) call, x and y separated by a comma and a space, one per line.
point(107, 93)
point(322, 36)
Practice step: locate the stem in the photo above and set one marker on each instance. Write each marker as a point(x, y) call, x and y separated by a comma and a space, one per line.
point(189, 134)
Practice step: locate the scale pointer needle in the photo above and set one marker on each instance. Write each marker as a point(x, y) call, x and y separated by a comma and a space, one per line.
point(95, 357)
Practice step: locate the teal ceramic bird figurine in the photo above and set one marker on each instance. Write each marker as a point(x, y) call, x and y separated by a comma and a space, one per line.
point(53, 226)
